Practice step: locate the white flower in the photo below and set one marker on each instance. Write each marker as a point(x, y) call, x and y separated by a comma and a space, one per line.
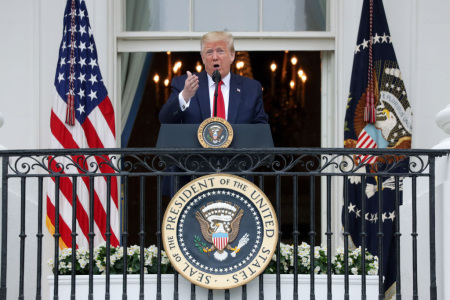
point(112, 259)
point(305, 262)
point(355, 271)
point(372, 272)
point(304, 246)
point(317, 270)
point(153, 250)
point(62, 264)
point(50, 263)
point(82, 263)
point(148, 262)
point(119, 252)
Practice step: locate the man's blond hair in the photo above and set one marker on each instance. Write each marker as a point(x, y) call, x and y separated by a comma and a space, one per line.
point(215, 36)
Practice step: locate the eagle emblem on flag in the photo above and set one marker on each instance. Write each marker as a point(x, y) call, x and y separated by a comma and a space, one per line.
point(219, 223)
point(378, 115)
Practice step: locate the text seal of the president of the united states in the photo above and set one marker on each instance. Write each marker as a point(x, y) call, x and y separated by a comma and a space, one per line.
point(220, 231)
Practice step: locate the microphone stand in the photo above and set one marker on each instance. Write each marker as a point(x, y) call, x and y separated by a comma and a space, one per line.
point(216, 78)
point(216, 94)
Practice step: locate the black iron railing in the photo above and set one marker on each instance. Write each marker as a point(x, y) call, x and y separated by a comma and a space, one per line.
point(290, 177)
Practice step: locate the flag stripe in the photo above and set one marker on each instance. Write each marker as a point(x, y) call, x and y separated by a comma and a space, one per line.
point(66, 191)
point(366, 141)
point(100, 215)
point(63, 228)
point(107, 111)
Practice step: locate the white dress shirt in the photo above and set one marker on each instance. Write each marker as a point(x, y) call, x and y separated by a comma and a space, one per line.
point(225, 87)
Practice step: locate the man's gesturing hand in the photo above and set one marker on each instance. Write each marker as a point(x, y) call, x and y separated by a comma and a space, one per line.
point(190, 86)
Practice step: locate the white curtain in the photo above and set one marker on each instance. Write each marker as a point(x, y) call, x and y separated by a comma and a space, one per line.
point(137, 13)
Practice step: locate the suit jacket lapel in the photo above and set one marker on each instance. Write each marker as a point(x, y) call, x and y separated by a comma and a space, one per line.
point(203, 96)
point(235, 98)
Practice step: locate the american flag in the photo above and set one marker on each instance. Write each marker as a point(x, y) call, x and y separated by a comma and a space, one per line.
point(82, 117)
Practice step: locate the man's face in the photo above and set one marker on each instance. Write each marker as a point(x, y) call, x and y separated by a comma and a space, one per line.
point(216, 55)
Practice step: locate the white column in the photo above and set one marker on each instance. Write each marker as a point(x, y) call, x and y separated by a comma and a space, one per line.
point(442, 201)
point(443, 121)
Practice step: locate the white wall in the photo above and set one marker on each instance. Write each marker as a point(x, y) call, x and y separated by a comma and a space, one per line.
point(30, 34)
point(433, 64)
point(20, 66)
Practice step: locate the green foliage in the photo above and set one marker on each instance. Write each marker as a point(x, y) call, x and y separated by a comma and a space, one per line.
point(116, 261)
point(199, 244)
point(355, 262)
point(150, 260)
point(346, 126)
point(320, 261)
point(349, 100)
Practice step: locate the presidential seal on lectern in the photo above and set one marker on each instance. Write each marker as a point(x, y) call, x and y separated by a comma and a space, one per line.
point(215, 132)
point(220, 231)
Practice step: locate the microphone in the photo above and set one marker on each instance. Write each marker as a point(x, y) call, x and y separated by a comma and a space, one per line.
point(216, 77)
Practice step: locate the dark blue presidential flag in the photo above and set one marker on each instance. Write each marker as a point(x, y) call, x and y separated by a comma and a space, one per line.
point(378, 115)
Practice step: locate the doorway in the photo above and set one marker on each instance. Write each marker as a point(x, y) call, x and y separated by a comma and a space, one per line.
point(291, 82)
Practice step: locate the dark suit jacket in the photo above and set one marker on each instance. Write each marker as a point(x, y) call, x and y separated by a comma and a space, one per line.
point(245, 107)
point(245, 102)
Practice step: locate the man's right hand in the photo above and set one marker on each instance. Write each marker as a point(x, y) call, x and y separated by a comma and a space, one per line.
point(190, 86)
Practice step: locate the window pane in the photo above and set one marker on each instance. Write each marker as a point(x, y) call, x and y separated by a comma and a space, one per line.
point(230, 15)
point(294, 15)
point(167, 15)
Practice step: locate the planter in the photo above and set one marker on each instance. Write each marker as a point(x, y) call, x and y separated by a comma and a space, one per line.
point(184, 287)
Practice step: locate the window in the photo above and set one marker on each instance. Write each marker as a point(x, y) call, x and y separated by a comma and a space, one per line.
point(231, 15)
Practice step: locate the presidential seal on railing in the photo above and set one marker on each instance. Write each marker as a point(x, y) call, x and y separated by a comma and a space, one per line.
point(220, 231)
point(215, 132)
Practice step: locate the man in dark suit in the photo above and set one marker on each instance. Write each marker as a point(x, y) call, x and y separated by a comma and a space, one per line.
point(192, 97)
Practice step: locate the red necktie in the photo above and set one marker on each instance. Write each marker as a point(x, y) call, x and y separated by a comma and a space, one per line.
point(220, 103)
